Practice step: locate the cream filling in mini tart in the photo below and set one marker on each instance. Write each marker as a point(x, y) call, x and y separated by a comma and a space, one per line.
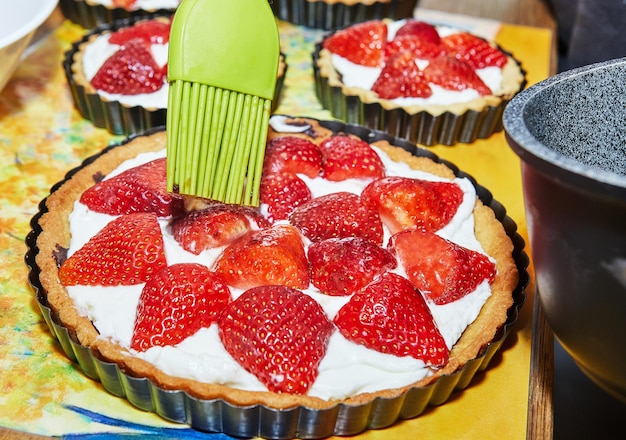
point(357, 80)
point(347, 369)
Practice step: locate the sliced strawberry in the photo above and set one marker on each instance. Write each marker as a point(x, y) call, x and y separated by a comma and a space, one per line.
point(177, 302)
point(443, 271)
point(341, 266)
point(292, 154)
point(129, 250)
point(473, 50)
point(139, 189)
point(401, 78)
point(267, 256)
point(278, 334)
point(337, 215)
point(390, 316)
point(126, 4)
point(361, 43)
point(405, 203)
point(347, 157)
point(130, 71)
point(282, 193)
point(424, 31)
point(419, 48)
point(452, 74)
point(149, 31)
point(214, 226)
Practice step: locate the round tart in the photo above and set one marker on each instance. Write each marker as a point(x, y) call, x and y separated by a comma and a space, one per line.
point(425, 83)
point(333, 14)
point(255, 273)
point(91, 13)
point(101, 71)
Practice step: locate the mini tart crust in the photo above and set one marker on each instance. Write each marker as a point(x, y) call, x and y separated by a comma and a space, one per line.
point(55, 235)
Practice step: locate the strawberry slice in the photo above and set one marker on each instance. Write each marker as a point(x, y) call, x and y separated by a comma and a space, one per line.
point(452, 74)
point(177, 302)
point(422, 49)
point(420, 29)
point(149, 31)
point(341, 266)
point(390, 316)
point(473, 50)
point(442, 270)
point(278, 334)
point(405, 203)
point(292, 154)
point(129, 250)
point(267, 256)
point(139, 189)
point(130, 71)
point(282, 193)
point(347, 157)
point(361, 43)
point(401, 78)
point(216, 225)
point(337, 215)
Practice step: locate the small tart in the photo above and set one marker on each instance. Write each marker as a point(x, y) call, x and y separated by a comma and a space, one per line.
point(91, 13)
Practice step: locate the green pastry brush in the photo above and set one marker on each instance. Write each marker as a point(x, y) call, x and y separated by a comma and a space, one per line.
point(222, 67)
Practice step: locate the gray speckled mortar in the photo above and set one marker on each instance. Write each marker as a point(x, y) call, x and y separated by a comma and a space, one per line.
point(570, 133)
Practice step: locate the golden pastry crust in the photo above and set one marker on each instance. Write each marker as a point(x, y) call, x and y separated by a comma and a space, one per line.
point(55, 235)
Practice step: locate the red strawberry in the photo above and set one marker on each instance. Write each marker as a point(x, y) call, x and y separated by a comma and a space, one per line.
point(282, 193)
point(443, 271)
point(348, 157)
point(139, 189)
point(292, 154)
point(278, 334)
point(214, 226)
point(126, 4)
point(473, 50)
point(177, 302)
point(268, 256)
point(361, 43)
point(419, 48)
point(424, 31)
point(341, 266)
point(149, 31)
point(129, 250)
point(401, 78)
point(390, 316)
point(405, 203)
point(130, 71)
point(337, 215)
point(452, 74)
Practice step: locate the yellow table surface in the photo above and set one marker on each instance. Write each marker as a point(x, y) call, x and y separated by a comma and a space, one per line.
point(42, 136)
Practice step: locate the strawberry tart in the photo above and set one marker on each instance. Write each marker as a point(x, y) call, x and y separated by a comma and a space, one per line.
point(425, 83)
point(334, 14)
point(91, 13)
point(367, 275)
point(117, 74)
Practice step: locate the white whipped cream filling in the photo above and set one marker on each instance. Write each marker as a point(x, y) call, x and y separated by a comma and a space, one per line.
point(347, 369)
point(148, 5)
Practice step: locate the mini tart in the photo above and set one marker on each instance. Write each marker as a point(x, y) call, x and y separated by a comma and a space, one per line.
point(115, 116)
point(90, 13)
point(333, 14)
point(427, 125)
point(241, 413)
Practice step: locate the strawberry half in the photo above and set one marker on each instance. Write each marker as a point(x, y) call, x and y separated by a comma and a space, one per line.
point(452, 74)
point(139, 189)
point(473, 50)
point(442, 270)
point(420, 29)
point(278, 334)
point(214, 226)
point(347, 157)
point(268, 256)
point(177, 302)
point(292, 154)
point(282, 193)
point(130, 71)
point(419, 48)
point(361, 43)
point(401, 78)
point(149, 31)
point(129, 250)
point(390, 316)
point(337, 215)
point(341, 266)
point(405, 203)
